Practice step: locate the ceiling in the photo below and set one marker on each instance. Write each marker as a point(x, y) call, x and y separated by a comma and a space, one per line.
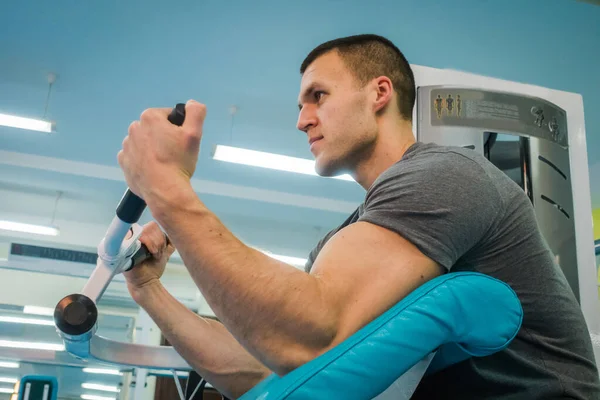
point(114, 59)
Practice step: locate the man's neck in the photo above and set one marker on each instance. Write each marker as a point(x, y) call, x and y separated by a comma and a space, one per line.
point(389, 149)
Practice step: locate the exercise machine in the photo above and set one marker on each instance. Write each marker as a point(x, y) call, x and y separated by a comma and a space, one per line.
point(76, 315)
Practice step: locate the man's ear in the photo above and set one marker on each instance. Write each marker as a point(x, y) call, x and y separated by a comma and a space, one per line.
point(384, 92)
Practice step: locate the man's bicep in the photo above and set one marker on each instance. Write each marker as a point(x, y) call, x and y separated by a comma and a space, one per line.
point(445, 205)
point(364, 270)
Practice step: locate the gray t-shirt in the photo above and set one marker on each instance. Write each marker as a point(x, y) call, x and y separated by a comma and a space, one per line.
point(466, 214)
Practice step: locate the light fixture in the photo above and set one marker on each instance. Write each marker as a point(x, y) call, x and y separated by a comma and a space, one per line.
point(38, 310)
point(104, 371)
point(158, 372)
point(94, 397)
point(269, 160)
point(299, 262)
point(25, 123)
point(6, 364)
point(32, 345)
point(8, 380)
point(30, 321)
point(28, 228)
point(98, 386)
point(6, 390)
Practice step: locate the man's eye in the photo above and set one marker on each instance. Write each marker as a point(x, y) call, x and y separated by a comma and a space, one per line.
point(318, 95)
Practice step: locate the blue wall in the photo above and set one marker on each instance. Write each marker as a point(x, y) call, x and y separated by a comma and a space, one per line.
point(551, 43)
point(117, 54)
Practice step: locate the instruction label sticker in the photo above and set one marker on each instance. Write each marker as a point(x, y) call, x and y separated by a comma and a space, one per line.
point(501, 112)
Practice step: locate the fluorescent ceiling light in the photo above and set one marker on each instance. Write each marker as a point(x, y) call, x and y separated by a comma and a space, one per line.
point(300, 262)
point(104, 371)
point(8, 380)
point(32, 345)
point(269, 160)
point(159, 372)
point(25, 123)
point(31, 321)
point(97, 386)
point(38, 310)
point(28, 228)
point(94, 397)
point(7, 390)
point(6, 364)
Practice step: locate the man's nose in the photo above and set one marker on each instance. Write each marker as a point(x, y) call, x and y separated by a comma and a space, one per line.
point(306, 119)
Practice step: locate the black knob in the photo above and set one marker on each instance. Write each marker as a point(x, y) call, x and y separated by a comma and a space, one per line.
point(177, 116)
point(75, 314)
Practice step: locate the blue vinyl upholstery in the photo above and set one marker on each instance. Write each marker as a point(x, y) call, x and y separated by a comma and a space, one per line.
point(456, 316)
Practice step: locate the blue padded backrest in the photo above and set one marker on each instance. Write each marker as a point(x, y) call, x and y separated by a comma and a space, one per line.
point(474, 313)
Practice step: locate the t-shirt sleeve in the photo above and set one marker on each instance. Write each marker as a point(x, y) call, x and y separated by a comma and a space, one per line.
point(444, 204)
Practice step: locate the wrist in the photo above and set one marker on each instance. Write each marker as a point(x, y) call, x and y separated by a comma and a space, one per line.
point(163, 200)
point(146, 292)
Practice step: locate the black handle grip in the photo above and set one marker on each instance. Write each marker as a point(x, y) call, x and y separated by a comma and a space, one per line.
point(131, 206)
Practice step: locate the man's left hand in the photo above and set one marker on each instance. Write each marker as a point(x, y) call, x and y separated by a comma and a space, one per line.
point(158, 155)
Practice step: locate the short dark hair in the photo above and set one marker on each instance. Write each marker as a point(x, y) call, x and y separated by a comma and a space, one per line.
point(369, 56)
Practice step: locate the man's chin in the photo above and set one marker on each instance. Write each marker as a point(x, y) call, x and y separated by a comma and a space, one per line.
point(327, 171)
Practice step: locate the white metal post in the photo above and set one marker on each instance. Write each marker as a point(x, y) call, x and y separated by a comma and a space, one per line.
point(146, 333)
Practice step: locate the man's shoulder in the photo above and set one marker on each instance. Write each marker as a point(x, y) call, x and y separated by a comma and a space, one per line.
point(432, 155)
point(430, 164)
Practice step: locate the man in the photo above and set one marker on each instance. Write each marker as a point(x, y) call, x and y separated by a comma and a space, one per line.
point(428, 210)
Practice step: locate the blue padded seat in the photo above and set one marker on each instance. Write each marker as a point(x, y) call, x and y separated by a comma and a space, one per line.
point(454, 316)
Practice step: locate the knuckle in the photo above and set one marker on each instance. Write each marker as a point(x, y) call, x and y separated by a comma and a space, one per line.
point(148, 225)
point(148, 114)
point(144, 237)
point(147, 234)
point(155, 237)
point(189, 133)
point(133, 127)
point(156, 232)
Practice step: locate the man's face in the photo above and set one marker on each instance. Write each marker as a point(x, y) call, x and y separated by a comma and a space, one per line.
point(336, 114)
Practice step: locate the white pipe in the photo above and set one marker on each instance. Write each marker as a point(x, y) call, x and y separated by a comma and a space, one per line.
point(113, 239)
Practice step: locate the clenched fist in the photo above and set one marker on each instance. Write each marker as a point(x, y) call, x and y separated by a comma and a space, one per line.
point(150, 271)
point(157, 156)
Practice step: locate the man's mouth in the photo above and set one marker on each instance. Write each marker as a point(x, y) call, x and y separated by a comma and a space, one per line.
point(312, 140)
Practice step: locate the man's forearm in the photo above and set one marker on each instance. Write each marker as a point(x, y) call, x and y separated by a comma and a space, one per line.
point(275, 310)
point(205, 344)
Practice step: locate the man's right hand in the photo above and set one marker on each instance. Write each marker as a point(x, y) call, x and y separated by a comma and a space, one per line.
point(205, 344)
point(150, 271)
